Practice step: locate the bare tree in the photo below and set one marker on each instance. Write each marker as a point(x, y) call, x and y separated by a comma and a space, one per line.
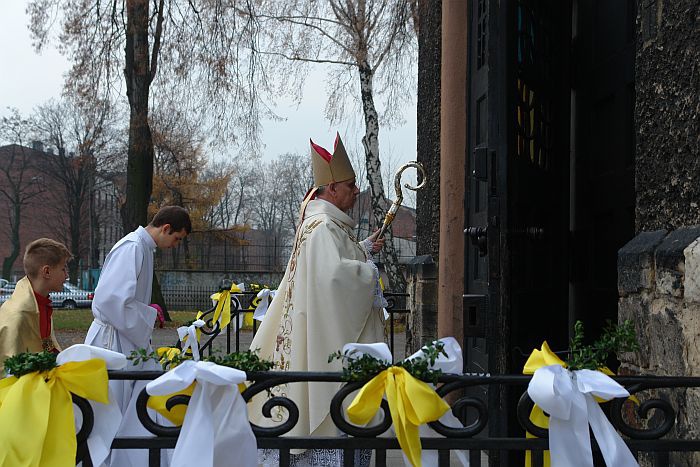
point(19, 182)
point(182, 175)
point(80, 133)
point(223, 215)
point(295, 177)
point(267, 200)
point(168, 50)
point(374, 40)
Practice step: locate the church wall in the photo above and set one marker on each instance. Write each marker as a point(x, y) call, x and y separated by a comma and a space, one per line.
point(659, 270)
point(667, 114)
point(659, 290)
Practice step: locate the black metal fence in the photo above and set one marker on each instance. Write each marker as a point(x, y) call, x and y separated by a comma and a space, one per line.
point(245, 302)
point(209, 252)
point(649, 429)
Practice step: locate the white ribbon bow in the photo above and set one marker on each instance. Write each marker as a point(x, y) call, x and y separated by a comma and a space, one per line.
point(190, 333)
point(451, 364)
point(107, 418)
point(568, 399)
point(265, 296)
point(216, 416)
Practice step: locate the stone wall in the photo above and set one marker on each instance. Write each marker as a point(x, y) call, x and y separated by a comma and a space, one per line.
point(667, 80)
point(659, 289)
point(421, 324)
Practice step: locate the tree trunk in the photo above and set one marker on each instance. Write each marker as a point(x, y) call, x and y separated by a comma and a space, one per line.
point(137, 71)
point(374, 176)
point(9, 260)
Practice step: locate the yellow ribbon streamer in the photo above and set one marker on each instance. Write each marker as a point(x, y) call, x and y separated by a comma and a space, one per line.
point(223, 305)
point(176, 416)
point(411, 403)
point(36, 413)
point(538, 359)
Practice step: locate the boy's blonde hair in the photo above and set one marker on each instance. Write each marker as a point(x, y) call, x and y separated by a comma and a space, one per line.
point(42, 252)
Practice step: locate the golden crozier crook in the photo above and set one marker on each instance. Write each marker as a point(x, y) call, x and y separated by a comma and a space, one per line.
point(389, 218)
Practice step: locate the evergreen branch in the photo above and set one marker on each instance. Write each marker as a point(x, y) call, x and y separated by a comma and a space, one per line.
point(613, 340)
point(366, 367)
point(247, 361)
point(28, 362)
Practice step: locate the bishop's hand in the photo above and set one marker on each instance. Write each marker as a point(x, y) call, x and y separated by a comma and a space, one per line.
point(376, 243)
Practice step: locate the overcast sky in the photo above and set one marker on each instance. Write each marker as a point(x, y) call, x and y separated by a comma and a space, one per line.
point(28, 79)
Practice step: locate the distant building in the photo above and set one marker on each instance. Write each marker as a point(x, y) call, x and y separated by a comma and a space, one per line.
point(43, 212)
point(403, 227)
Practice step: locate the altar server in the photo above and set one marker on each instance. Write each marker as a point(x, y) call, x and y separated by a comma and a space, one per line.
point(25, 318)
point(123, 317)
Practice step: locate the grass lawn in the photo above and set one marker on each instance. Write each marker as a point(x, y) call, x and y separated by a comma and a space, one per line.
point(79, 320)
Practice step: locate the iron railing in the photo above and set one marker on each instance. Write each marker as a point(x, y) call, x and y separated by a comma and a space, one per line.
point(650, 429)
point(241, 303)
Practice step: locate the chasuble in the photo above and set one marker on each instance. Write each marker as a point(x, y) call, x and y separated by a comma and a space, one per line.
point(325, 300)
point(19, 324)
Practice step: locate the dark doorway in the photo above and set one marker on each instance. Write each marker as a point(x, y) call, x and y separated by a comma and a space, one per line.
point(550, 177)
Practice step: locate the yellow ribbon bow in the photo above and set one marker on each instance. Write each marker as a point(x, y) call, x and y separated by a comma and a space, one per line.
point(36, 412)
point(167, 354)
point(176, 415)
point(223, 305)
point(411, 403)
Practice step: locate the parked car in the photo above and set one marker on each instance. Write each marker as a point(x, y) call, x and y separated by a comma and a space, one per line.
point(71, 297)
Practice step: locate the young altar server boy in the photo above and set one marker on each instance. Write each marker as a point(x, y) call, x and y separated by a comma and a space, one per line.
point(124, 316)
point(25, 319)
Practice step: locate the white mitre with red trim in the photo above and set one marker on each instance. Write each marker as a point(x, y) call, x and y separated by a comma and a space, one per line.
point(329, 168)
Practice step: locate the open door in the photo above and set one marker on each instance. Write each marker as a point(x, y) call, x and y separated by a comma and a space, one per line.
point(517, 203)
point(550, 178)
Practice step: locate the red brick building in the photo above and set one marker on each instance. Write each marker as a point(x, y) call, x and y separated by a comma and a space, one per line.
point(29, 188)
point(403, 227)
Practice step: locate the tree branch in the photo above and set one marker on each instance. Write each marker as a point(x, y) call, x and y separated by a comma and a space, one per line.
point(156, 41)
point(305, 59)
point(323, 32)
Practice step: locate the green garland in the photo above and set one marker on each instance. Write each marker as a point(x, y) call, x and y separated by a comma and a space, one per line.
point(29, 362)
point(613, 340)
point(247, 361)
point(366, 366)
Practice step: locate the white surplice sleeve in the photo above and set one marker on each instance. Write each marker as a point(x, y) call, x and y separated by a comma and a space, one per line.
point(115, 297)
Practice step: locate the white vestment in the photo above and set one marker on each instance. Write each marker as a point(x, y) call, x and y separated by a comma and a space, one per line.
point(325, 300)
point(124, 322)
